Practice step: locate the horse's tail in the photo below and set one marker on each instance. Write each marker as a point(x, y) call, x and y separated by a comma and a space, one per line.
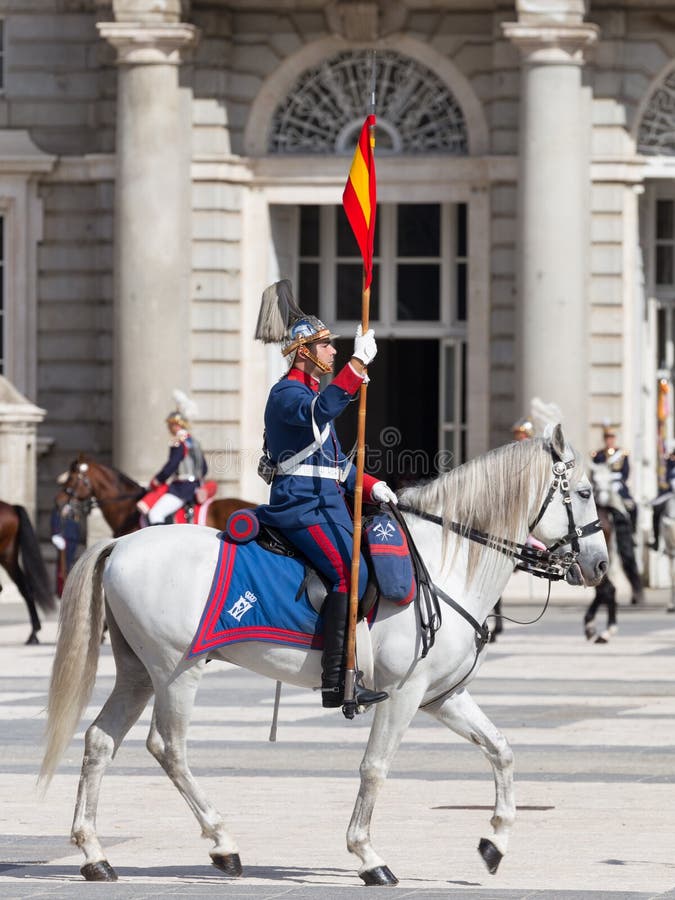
point(33, 564)
point(77, 651)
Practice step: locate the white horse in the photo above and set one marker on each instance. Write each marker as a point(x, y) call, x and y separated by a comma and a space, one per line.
point(155, 583)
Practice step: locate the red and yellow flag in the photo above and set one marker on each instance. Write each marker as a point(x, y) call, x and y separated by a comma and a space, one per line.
point(360, 196)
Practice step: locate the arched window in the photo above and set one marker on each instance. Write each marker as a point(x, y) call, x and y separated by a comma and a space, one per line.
point(656, 136)
point(325, 108)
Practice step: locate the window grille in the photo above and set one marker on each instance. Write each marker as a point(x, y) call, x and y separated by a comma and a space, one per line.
point(325, 108)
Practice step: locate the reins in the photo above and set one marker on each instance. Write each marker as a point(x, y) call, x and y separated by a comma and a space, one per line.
point(544, 563)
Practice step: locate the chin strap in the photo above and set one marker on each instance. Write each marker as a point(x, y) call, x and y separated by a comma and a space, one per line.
point(322, 367)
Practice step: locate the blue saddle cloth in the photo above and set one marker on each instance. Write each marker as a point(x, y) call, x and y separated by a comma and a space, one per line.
point(253, 598)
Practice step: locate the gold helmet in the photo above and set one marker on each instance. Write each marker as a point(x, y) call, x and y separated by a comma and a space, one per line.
point(523, 428)
point(306, 331)
point(281, 321)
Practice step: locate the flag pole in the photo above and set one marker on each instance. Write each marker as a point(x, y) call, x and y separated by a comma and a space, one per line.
point(349, 706)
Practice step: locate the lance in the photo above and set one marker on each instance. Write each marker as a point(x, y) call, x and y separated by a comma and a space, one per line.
point(362, 183)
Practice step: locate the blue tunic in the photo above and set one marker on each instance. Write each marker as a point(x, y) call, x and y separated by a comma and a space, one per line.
point(300, 501)
point(187, 463)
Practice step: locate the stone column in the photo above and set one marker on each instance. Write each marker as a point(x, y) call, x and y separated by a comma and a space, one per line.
point(554, 210)
point(19, 419)
point(152, 248)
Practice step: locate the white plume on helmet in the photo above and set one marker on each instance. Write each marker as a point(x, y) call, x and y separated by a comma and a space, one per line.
point(186, 409)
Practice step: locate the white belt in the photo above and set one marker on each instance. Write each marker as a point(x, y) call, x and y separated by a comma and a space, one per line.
point(331, 472)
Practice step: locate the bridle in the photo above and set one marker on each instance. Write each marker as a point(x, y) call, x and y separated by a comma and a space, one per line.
point(84, 505)
point(547, 563)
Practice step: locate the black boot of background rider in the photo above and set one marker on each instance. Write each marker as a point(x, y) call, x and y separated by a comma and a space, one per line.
point(334, 614)
point(656, 526)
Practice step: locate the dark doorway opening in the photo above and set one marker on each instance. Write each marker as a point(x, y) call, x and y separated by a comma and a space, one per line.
point(402, 410)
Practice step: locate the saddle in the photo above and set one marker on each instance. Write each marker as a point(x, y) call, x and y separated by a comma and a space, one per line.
point(384, 547)
point(189, 513)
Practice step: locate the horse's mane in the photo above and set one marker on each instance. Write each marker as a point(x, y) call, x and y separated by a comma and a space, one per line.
point(498, 493)
point(125, 480)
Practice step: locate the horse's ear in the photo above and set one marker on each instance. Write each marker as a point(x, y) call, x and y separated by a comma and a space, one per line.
point(558, 440)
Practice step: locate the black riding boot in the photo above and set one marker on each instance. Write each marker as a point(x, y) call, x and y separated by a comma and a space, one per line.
point(334, 614)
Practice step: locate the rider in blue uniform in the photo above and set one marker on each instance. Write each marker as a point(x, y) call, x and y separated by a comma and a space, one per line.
point(185, 467)
point(312, 475)
point(666, 491)
point(624, 526)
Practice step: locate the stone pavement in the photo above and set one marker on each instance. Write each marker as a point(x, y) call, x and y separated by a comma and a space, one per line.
point(592, 728)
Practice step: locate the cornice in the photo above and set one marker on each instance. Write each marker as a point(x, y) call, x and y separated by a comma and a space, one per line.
point(552, 44)
point(140, 43)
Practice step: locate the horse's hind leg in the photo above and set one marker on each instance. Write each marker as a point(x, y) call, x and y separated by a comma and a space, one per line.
point(462, 715)
point(167, 743)
point(21, 582)
point(127, 701)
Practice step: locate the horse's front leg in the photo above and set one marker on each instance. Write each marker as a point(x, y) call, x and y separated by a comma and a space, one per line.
point(389, 725)
point(461, 714)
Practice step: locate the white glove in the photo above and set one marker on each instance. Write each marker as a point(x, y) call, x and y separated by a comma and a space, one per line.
point(382, 493)
point(59, 541)
point(365, 347)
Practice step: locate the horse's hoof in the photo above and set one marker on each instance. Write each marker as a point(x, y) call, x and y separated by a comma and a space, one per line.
point(601, 638)
point(380, 875)
point(229, 863)
point(98, 871)
point(491, 856)
point(589, 631)
point(33, 638)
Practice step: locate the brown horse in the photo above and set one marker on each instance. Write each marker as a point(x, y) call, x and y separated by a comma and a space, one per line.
point(18, 540)
point(88, 483)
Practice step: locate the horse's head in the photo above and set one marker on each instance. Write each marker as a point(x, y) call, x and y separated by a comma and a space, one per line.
point(76, 487)
point(568, 518)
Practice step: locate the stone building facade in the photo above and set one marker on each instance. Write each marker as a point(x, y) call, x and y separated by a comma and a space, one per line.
point(162, 162)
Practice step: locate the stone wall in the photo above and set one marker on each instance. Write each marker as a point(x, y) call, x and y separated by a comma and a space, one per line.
point(75, 325)
point(215, 318)
point(52, 74)
point(633, 50)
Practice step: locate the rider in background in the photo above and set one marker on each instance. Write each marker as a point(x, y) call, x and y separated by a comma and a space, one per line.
point(311, 475)
point(184, 470)
point(666, 491)
point(616, 459)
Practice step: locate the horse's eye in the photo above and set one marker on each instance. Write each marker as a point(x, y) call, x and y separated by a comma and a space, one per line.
point(585, 494)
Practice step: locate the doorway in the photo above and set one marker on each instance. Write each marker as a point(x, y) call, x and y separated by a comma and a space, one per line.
point(402, 410)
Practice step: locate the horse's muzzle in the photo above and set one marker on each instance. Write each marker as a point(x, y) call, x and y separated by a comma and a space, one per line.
point(590, 575)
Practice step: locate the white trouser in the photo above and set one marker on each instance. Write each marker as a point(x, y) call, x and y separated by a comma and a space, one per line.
point(167, 504)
